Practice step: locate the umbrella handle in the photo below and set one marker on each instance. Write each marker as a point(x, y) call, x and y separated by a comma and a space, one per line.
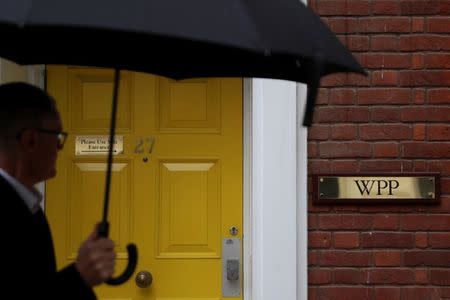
point(132, 258)
point(129, 270)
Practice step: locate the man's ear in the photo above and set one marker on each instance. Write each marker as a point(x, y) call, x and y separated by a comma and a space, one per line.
point(28, 140)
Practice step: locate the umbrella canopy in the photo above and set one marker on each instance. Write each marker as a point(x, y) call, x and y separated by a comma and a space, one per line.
point(178, 39)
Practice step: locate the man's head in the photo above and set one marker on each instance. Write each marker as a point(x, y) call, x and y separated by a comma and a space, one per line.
point(29, 128)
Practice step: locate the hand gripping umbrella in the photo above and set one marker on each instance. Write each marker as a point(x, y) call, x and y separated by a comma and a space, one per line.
point(179, 39)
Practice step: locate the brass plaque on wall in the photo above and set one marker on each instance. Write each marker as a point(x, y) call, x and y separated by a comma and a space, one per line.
point(376, 188)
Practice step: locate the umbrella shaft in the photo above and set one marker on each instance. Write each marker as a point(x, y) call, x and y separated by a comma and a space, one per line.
point(111, 143)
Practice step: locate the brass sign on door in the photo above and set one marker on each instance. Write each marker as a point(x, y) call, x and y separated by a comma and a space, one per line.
point(97, 145)
point(376, 188)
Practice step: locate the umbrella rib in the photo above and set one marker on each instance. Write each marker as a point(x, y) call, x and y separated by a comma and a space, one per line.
point(265, 45)
point(27, 12)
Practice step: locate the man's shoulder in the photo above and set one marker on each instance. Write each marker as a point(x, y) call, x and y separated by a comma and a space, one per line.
point(6, 189)
point(11, 203)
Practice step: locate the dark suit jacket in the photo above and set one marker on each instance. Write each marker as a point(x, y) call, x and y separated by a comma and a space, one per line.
point(29, 267)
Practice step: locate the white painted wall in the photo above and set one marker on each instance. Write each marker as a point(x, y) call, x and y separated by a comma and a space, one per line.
point(10, 71)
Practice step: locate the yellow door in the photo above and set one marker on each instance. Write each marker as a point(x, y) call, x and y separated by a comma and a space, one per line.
point(176, 187)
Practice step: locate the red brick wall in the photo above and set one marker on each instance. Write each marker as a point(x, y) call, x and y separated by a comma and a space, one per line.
point(396, 119)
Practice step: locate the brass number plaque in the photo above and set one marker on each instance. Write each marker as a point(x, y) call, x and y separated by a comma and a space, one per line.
point(376, 188)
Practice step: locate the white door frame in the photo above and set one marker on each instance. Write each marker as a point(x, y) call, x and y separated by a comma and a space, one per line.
point(275, 191)
point(275, 185)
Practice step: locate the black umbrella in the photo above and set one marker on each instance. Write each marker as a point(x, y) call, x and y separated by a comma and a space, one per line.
point(280, 39)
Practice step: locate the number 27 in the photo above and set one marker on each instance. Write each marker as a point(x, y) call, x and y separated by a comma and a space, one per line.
point(142, 143)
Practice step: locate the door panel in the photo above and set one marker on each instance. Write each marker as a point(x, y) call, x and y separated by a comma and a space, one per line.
point(176, 188)
point(188, 210)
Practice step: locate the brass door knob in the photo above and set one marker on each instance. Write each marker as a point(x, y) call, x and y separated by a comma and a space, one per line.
point(144, 279)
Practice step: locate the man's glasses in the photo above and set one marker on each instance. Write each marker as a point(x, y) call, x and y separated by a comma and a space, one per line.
point(60, 135)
